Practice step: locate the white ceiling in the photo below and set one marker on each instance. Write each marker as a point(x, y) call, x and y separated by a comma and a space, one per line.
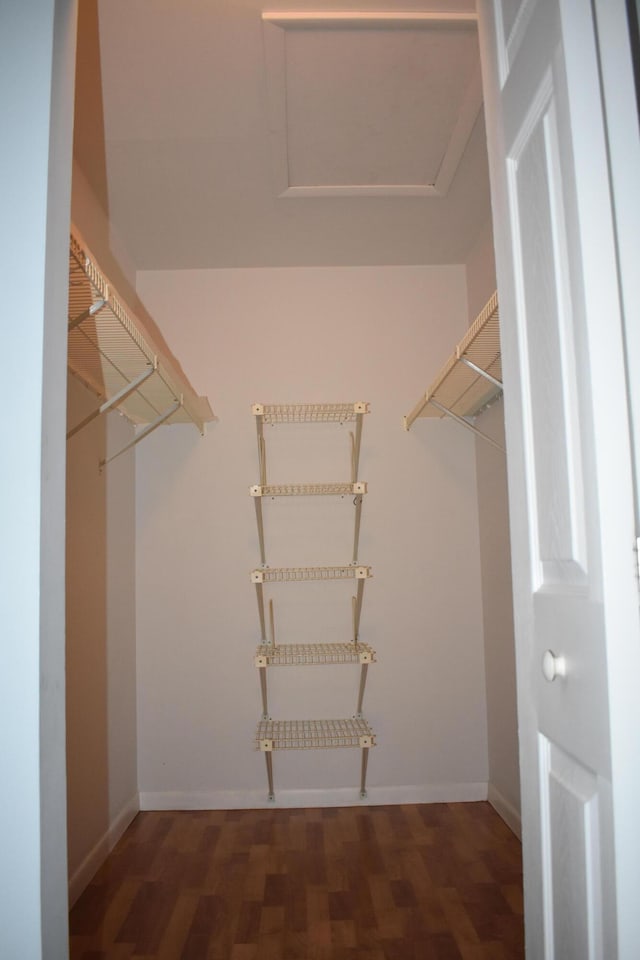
point(216, 134)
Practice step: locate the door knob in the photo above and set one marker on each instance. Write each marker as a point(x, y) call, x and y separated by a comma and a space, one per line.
point(553, 666)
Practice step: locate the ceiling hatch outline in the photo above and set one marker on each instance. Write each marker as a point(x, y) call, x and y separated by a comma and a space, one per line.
point(276, 24)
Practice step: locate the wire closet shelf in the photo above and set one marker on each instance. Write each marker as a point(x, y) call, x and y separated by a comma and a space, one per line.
point(470, 379)
point(111, 352)
point(313, 734)
point(272, 735)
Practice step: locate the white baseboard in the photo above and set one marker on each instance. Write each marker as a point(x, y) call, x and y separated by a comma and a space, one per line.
point(337, 797)
point(257, 799)
point(506, 810)
point(82, 876)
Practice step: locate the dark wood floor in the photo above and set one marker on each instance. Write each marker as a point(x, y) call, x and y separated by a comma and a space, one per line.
point(424, 882)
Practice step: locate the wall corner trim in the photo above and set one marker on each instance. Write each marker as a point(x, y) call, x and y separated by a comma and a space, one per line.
point(87, 869)
point(506, 810)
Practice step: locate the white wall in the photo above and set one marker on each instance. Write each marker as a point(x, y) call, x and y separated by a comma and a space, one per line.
point(495, 554)
point(100, 569)
point(37, 45)
point(91, 220)
point(308, 335)
point(101, 665)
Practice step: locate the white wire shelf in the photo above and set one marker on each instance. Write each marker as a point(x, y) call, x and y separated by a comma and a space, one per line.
point(297, 574)
point(309, 412)
point(307, 654)
point(308, 489)
point(111, 353)
point(313, 734)
point(471, 377)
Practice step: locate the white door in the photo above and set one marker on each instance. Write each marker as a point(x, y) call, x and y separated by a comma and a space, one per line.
point(570, 479)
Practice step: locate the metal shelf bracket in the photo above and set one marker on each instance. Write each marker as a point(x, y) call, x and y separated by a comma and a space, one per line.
point(113, 402)
point(144, 433)
point(465, 423)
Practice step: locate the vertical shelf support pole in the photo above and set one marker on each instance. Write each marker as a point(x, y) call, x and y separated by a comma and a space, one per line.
point(260, 596)
point(263, 690)
point(363, 772)
point(258, 503)
point(269, 759)
point(355, 450)
point(258, 412)
point(262, 452)
point(356, 533)
point(272, 626)
point(363, 681)
point(357, 609)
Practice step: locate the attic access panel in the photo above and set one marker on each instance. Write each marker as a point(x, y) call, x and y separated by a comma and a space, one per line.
point(370, 103)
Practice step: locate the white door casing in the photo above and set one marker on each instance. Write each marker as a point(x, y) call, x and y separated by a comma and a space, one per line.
point(570, 477)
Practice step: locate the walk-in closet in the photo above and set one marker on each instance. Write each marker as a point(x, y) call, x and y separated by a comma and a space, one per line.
point(321, 493)
point(323, 342)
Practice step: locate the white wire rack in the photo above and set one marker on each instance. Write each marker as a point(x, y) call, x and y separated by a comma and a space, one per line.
point(112, 355)
point(307, 654)
point(273, 413)
point(299, 574)
point(313, 734)
point(471, 377)
point(309, 413)
point(308, 489)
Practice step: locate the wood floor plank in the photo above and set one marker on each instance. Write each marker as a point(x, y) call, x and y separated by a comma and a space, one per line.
point(318, 922)
point(407, 882)
point(244, 951)
point(389, 920)
point(145, 922)
point(460, 923)
point(271, 920)
point(257, 869)
point(176, 931)
point(116, 906)
point(248, 925)
point(512, 893)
